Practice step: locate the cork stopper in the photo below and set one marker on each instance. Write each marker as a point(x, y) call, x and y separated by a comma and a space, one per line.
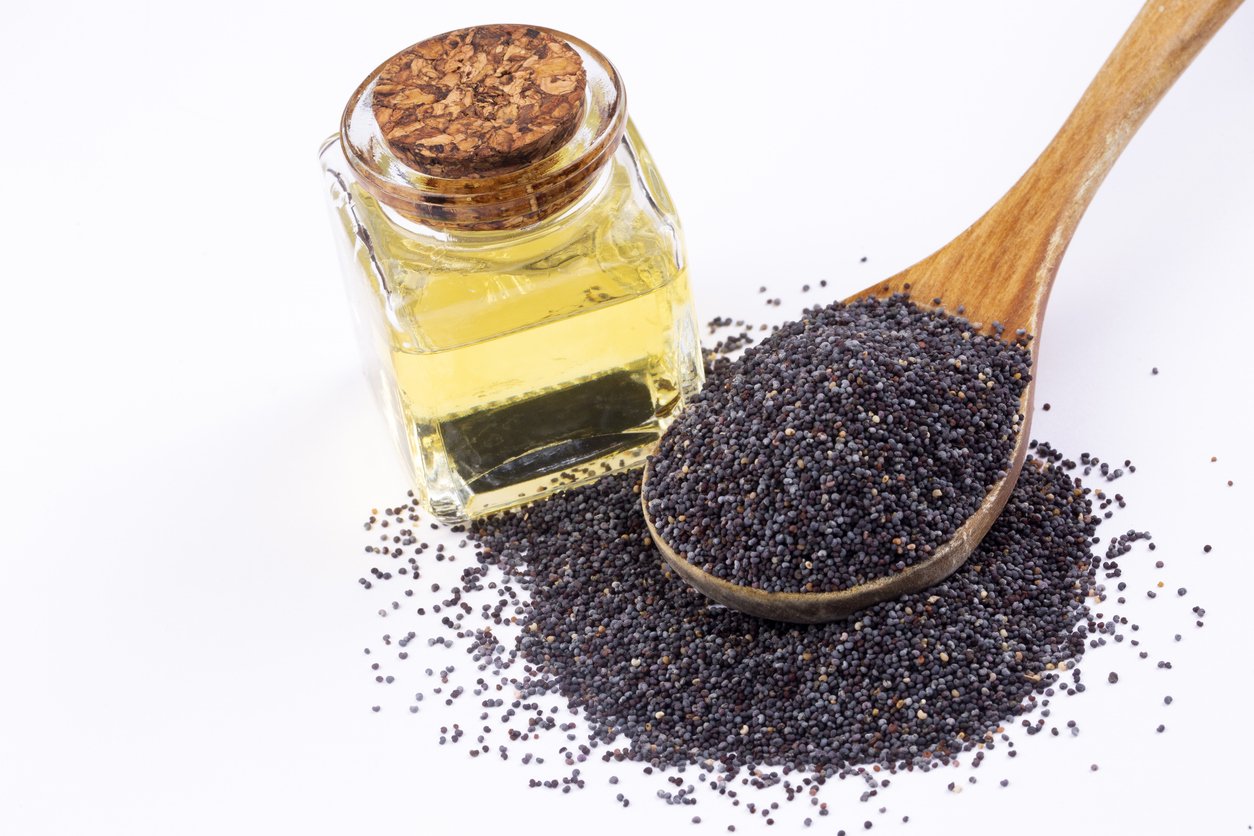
point(485, 129)
point(481, 101)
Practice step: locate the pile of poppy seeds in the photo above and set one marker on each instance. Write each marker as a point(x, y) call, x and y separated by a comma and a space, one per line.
point(926, 675)
point(568, 611)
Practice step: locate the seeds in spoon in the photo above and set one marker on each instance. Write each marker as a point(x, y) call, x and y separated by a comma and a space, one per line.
point(845, 447)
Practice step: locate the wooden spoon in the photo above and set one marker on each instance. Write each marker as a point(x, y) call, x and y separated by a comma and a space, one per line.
point(1001, 270)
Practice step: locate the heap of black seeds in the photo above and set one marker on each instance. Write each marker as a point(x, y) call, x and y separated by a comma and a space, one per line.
point(844, 447)
point(530, 648)
point(653, 665)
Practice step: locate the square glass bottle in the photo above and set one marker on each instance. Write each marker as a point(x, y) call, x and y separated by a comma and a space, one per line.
point(516, 267)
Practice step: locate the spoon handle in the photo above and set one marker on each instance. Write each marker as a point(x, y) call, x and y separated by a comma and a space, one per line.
point(1007, 259)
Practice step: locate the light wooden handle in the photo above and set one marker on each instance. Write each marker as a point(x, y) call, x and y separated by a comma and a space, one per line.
point(1002, 267)
point(1048, 201)
point(1160, 44)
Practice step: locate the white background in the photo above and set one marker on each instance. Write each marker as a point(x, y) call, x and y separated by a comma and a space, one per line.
point(187, 449)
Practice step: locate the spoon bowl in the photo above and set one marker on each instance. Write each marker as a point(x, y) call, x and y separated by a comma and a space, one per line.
point(998, 274)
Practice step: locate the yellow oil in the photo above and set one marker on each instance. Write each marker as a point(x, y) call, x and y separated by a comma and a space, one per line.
point(524, 363)
point(536, 402)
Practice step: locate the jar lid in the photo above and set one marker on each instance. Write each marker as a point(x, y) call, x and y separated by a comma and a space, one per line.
point(479, 101)
point(489, 127)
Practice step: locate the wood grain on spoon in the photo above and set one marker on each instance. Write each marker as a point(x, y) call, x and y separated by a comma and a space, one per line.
point(1001, 270)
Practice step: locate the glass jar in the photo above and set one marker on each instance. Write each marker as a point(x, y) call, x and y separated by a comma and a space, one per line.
point(523, 299)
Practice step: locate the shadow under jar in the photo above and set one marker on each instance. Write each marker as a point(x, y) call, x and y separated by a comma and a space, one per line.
point(516, 268)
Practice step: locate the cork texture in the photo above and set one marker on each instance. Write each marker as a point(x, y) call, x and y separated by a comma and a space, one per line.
point(480, 101)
